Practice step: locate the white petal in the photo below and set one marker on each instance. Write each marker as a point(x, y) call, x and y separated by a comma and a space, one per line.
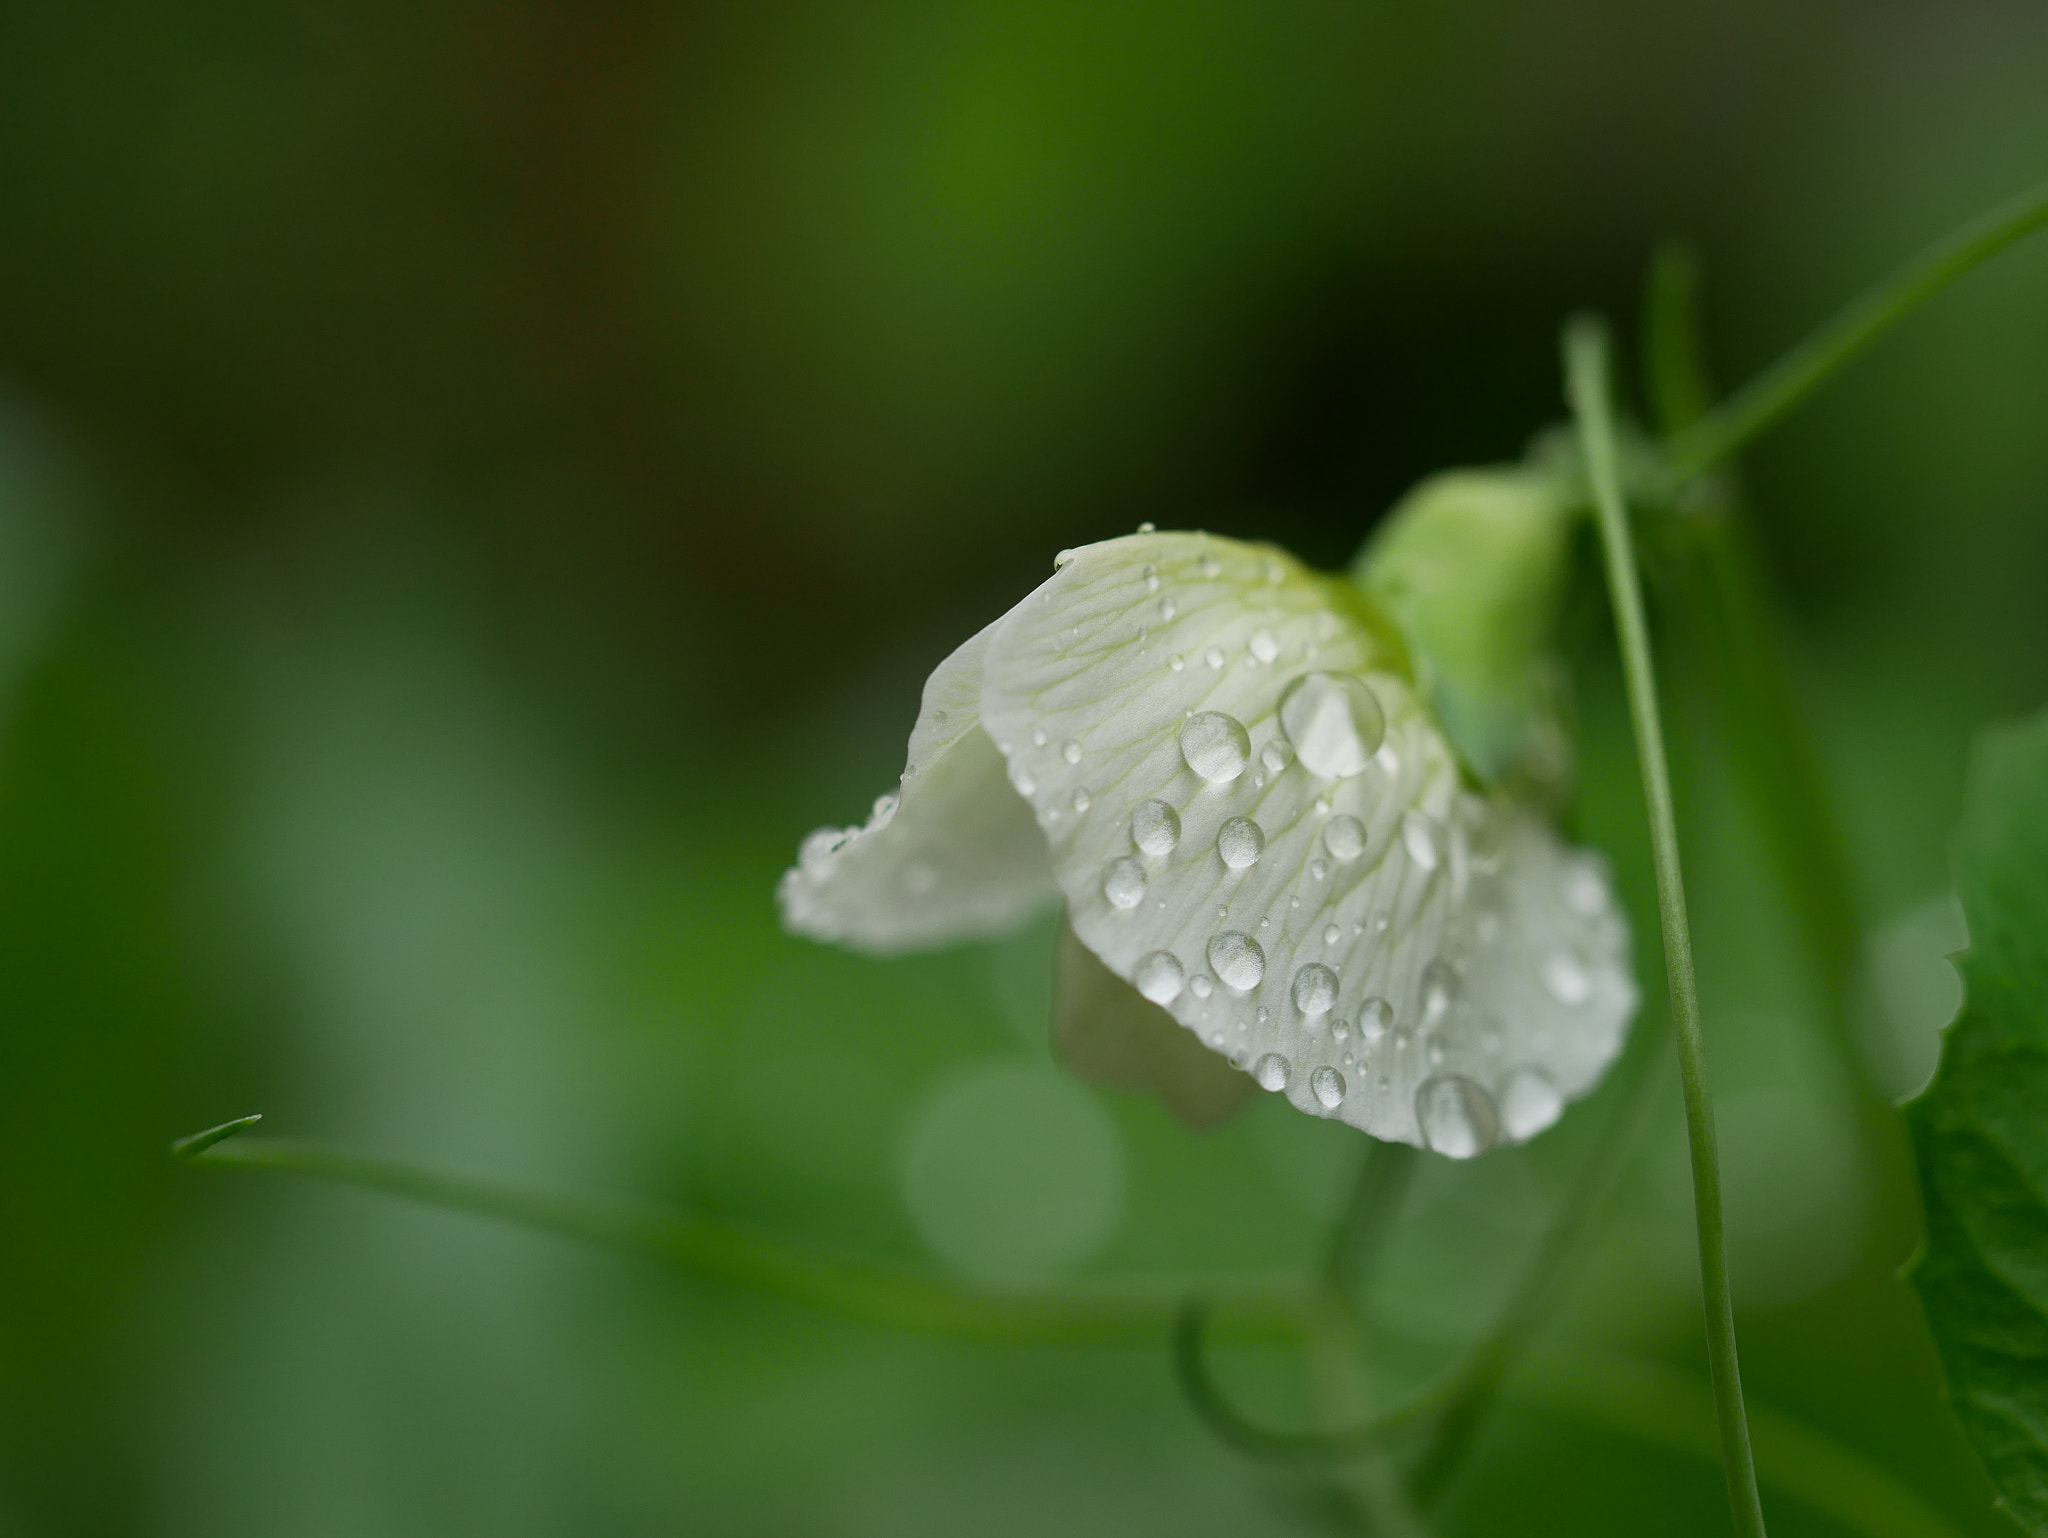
point(954, 854)
point(1392, 878)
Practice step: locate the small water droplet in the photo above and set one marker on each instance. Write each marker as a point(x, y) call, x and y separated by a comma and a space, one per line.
point(1332, 934)
point(1264, 1014)
point(1070, 750)
point(1419, 836)
point(1176, 662)
point(1155, 827)
point(1439, 988)
point(1275, 756)
point(1151, 579)
point(884, 809)
point(1237, 960)
point(1315, 989)
point(1344, 836)
point(1201, 987)
point(1148, 528)
point(1530, 1103)
point(1340, 1030)
point(1566, 979)
point(1271, 1071)
point(1158, 977)
point(1168, 608)
point(1124, 883)
point(1375, 1018)
point(1215, 746)
point(1318, 869)
point(1263, 646)
point(1240, 841)
point(1436, 1054)
point(1334, 722)
point(1025, 781)
point(1213, 656)
point(1038, 736)
point(1210, 567)
point(1294, 902)
point(1082, 800)
point(1380, 923)
point(1328, 1085)
point(1457, 1116)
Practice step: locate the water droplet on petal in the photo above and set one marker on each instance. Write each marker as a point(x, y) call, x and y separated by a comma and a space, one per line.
point(1215, 746)
point(1318, 869)
point(1168, 608)
point(1158, 977)
point(1315, 989)
point(1237, 960)
point(1240, 841)
point(1038, 736)
point(1070, 750)
point(1375, 1018)
point(1213, 656)
point(1419, 838)
point(1275, 756)
point(1124, 883)
point(1211, 567)
point(1566, 979)
point(1176, 662)
point(1271, 1071)
point(1082, 800)
point(1155, 827)
point(1148, 527)
point(1530, 1103)
point(1439, 987)
point(1024, 780)
point(884, 809)
point(1344, 836)
point(1151, 579)
point(1457, 1116)
point(1263, 646)
point(1201, 987)
point(1334, 722)
point(1332, 934)
point(1328, 1085)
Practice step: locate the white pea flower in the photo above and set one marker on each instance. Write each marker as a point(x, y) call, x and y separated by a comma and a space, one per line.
point(1220, 762)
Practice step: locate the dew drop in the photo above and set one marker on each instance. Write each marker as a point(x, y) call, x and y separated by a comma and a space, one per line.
point(1201, 987)
point(1271, 1071)
point(1439, 988)
point(1566, 979)
point(1155, 827)
point(1082, 800)
point(1344, 836)
point(1264, 1014)
point(1038, 736)
point(1159, 977)
point(1530, 1103)
point(1375, 1019)
point(1148, 527)
point(1176, 662)
point(1318, 869)
point(1263, 646)
point(1214, 657)
point(1419, 838)
point(1315, 989)
point(1168, 608)
point(1240, 841)
point(884, 809)
point(1237, 960)
point(1215, 746)
point(1332, 934)
point(1329, 1086)
point(1457, 1116)
point(1275, 756)
point(1211, 567)
point(1435, 1054)
point(1334, 722)
point(1124, 883)
point(1024, 780)
point(1151, 579)
point(1070, 750)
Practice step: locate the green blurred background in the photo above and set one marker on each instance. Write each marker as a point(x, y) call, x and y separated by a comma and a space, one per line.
point(479, 482)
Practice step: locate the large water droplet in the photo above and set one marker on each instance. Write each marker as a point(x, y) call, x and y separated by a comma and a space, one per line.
point(1328, 1085)
point(1240, 841)
point(1344, 836)
point(1216, 746)
point(1566, 979)
point(1315, 989)
point(1263, 646)
point(1155, 827)
point(1375, 1018)
point(1457, 1116)
point(1419, 836)
point(1334, 722)
point(1124, 883)
point(1530, 1103)
point(1158, 977)
point(1237, 959)
point(1439, 987)
point(1271, 1071)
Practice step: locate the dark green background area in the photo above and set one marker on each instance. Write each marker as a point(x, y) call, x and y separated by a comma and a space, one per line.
point(478, 483)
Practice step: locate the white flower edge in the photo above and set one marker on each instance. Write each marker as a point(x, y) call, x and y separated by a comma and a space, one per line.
point(1358, 931)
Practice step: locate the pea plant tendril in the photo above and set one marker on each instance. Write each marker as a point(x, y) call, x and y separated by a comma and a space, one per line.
point(1390, 1464)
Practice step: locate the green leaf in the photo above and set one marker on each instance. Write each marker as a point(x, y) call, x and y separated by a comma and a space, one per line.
point(1981, 1131)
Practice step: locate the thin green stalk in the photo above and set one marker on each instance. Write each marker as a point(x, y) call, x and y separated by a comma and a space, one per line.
point(864, 1289)
point(1586, 375)
point(1810, 364)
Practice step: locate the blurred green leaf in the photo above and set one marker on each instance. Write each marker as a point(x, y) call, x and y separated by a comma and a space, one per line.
point(1982, 1136)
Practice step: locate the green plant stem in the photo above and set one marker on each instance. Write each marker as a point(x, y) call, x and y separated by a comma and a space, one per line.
point(1368, 1477)
point(863, 1289)
point(1786, 383)
point(1586, 375)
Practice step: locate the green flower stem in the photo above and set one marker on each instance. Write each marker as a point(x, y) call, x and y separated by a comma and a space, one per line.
point(1810, 364)
point(1586, 376)
point(880, 1294)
